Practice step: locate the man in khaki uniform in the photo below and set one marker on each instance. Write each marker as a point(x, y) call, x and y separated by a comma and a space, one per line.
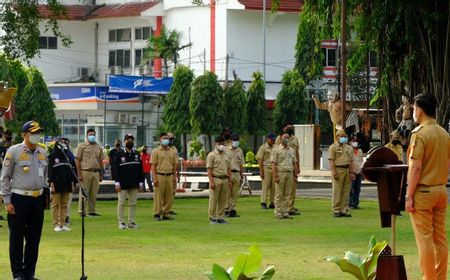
point(219, 174)
point(237, 175)
point(265, 172)
point(426, 196)
point(164, 167)
point(341, 164)
point(293, 143)
point(284, 171)
point(175, 150)
point(89, 162)
point(395, 145)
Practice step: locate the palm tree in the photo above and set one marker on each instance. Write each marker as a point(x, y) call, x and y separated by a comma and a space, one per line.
point(166, 46)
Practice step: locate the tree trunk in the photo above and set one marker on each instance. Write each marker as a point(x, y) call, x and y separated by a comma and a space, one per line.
point(255, 144)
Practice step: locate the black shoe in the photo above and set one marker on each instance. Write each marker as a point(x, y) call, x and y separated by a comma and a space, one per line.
point(172, 213)
point(1, 218)
point(263, 206)
point(157, 217)
point(227, 213)
point(233, 214)
point(294, 213)
point(168, 218)
point(346, 215)
point(356, 207)
point(19, 278)
point(272, 206)
point(94, 214)
point(222, 221)
point(82, 214)
point(337, 215)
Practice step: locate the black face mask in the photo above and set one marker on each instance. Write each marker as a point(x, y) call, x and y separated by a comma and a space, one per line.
point(129, 145)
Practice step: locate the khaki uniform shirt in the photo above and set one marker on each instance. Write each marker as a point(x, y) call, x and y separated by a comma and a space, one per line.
point(341, 154)
point(90, 156)
point(164, 159)
point(431, 144)
point(264, 153)
point(236, 157)
point(397, 149)
point(284, 158)
point(219, 162)
point(23, 169)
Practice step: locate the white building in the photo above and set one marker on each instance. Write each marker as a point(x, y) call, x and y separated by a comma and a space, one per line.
point(109, 37)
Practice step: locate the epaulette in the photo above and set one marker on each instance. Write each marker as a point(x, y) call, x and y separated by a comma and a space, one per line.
point(417, 128)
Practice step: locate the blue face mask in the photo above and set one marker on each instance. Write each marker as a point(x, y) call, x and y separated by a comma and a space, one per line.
point(235, 144)
point(343, 140)
point(165, 142)
point(91, 138)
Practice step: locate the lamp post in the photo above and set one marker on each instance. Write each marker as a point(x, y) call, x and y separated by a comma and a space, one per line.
point(344, 59)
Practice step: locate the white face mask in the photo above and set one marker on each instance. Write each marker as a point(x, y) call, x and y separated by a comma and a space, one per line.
point(220, 147)
point(354, 144)
point(34, 138)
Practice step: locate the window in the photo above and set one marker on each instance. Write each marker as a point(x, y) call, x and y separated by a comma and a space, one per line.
point(119, 58)
point(48, 42)
point(373, 59)
point(329, 57)
point(142, 56)
point(120, 35)
point(142, 33)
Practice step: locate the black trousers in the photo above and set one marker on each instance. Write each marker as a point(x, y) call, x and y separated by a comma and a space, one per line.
point(25, 224)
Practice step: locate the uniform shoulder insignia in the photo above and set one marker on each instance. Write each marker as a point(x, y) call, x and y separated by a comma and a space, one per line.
point(417, 128)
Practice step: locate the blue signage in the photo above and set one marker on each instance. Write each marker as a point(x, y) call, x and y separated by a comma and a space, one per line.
point(89, 94)
point(139, 84)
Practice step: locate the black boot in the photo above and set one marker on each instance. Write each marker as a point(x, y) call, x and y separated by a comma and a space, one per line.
point(272, 206)
point(263, 205)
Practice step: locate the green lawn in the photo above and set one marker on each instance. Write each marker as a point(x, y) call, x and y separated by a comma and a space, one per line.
point(188, 246)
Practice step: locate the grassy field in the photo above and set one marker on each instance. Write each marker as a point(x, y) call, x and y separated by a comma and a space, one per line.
point(187, 247)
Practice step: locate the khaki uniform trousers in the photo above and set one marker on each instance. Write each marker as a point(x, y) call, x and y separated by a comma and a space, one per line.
point(218, 198)
point(233, 193)
point(282, 192)
point(132, 199)
point(163, 197)
point(428, 221)
point(268, 186)
point(91, 181)
point(59, 208)
point(341, 190)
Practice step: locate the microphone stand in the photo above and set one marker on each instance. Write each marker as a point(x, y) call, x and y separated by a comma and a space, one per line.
point(83, 196)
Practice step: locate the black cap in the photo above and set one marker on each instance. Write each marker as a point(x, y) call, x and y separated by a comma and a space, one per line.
point(31, 126)
point(128, 136)
point(219, 139)
point(271, 136)
point(235, 136)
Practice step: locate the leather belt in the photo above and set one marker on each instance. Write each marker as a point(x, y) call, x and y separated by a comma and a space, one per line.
point(221, 177)
point(164, 174)
point(34, 193)
point(234, 171)
point(91, 170)
point(343, 166)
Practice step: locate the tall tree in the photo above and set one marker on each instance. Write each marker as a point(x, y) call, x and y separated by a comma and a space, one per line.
point(256, 108)
point(290, 104)
point(19, 21)
point(235, 107)
point(167, 46)
point(176, 110)
point(206, 105)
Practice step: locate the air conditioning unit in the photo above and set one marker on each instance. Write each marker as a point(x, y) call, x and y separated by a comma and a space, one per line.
point(145, 70)
point(115, 70)
point(83, 72)
point(122, 118)
point(135, 119)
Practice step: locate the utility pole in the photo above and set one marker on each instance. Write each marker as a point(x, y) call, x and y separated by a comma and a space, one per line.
point(264, 39)
point(227, 60)
point(344, 60)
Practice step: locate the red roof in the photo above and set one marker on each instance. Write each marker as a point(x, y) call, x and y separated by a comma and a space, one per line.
point(122, 10)
point(285, 5)
point(83, 12)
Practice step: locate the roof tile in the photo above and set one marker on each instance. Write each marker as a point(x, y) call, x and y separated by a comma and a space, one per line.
point(285, 5)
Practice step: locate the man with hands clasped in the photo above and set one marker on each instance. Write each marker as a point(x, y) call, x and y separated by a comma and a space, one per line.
point(129, 177)
point(340, 156)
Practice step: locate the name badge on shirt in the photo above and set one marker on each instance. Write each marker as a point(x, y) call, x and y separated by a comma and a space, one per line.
point(41, 172)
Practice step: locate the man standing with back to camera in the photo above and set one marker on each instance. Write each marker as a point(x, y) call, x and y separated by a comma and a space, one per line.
point(24, 176)
point(426, 195)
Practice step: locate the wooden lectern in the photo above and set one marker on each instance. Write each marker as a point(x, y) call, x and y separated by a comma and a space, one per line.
point(383, 167)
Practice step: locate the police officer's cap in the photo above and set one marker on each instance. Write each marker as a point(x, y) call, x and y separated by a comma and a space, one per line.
point(31, 126)
point(128, 136)
point(219, 139)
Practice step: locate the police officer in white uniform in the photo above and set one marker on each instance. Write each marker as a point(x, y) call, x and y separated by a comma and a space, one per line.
point(24, 176)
